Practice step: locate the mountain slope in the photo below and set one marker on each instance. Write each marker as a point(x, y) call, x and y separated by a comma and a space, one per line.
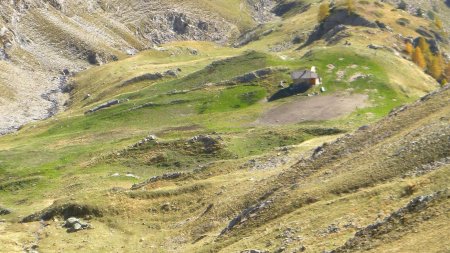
point(43, 38)
point(195, 146)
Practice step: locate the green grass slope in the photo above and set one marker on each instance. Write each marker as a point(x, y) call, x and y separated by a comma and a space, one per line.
point(189, 187)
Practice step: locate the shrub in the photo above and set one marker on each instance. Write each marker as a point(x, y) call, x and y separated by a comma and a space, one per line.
point(378, 4)
point(350, 4)
point(324, 11)
point(409, 189)
point(378, 14)
point(419, 12)
point(403, 21)
point(438, 23)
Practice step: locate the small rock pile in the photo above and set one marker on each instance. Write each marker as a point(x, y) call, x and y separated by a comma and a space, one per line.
point(208, 143)
point(150, 138)
point(4, 211)
point(74, 225)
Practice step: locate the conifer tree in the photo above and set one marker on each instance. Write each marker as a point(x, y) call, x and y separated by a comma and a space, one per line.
point(418, 58)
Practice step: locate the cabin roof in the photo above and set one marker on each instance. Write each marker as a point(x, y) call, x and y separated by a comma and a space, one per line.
point(304, 74)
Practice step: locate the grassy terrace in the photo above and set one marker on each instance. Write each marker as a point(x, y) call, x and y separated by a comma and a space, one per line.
point(45, 152)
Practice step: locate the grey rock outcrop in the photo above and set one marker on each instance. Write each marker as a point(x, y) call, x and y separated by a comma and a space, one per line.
point(151, 77)
point(103, 106)
point(338, 18)
point(245, 215)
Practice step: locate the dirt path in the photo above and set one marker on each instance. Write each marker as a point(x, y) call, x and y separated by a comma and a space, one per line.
point(313, 108)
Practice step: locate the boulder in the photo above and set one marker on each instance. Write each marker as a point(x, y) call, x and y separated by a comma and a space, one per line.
point(4, 211)
point(74, 225)
point(180, 23)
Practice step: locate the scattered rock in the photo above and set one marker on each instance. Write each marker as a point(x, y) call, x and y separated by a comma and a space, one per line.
point(74, 225)
point(172, 73)
point(336, 34)
point(64, 210)
point(252, 76)
point(245, 215)
point(131, 175)
point(358, 76)
point(374, 46)
point(144, 77)
point(208, 144)
point(4, 211)
point(150, 138)
point(167, 207)
point(427, 168)
point(131, 51)
point(254, 251)
point(168, 176)
point(333, 228)
point(267, 163)
point(32, 248)
point(103, 106)
point(340, 75)
point(363, 128)
point(318, 151)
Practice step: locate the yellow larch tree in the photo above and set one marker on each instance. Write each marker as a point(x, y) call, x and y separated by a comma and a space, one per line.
point(418, 58)
point(435, 68)
point(324, 11)
point(409, 48)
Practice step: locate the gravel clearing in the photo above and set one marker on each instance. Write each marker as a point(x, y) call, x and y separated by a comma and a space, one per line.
point(313, 108)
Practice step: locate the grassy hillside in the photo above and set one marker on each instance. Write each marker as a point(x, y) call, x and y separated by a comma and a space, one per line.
point(192, 144)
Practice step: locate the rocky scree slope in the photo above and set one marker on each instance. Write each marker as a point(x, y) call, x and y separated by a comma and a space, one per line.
point(43, 41)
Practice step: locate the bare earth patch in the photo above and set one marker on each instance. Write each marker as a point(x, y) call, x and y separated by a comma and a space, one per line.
point(313, 108)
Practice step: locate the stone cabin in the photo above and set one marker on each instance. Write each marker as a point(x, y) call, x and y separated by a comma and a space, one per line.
point(303, 77)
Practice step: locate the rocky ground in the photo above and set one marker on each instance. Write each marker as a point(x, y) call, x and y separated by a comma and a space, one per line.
point(39, 40)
